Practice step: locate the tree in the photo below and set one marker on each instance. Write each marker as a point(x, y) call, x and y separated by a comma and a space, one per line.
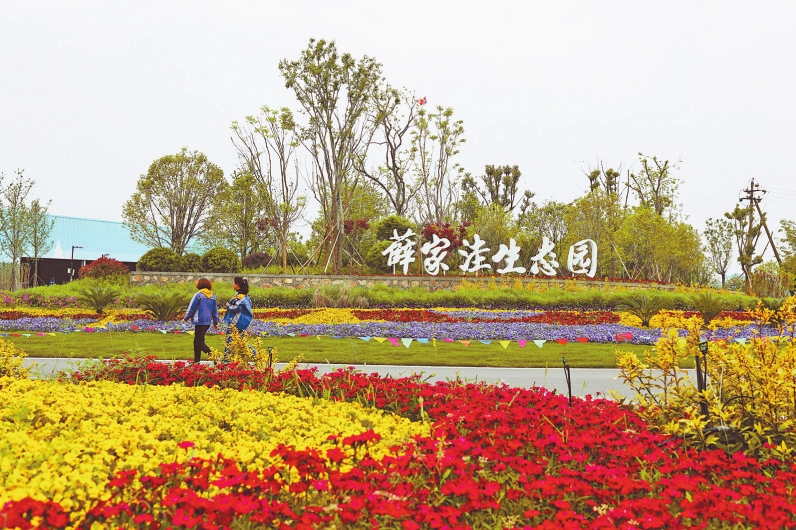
point(655, 185)
point(788, 229)
point(395, 112)
point(596, 216)
point(498, 185)
point(546, 220)
point(15, 229)
point(604, 179)
point(234, 221)
point(172, 202)
point(747, 231)
point(266, 144)
point(336, 93)
point(719, 234)
point(41, 226)
point(436, 139)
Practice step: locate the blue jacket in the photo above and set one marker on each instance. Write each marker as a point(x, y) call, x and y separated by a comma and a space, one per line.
point(203, 309)
point(239, 312)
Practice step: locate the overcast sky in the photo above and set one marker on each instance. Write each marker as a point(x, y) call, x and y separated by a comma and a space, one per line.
point(92, 92)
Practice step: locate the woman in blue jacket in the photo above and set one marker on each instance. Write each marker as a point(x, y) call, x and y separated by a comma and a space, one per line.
point(202, 311)
point(239, 310)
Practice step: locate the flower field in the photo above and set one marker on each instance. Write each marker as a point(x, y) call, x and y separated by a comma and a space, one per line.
point(136, 443)
point(229, 444)
point(415, 324)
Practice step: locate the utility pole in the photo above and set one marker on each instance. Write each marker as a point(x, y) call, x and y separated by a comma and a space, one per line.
point(754, 199)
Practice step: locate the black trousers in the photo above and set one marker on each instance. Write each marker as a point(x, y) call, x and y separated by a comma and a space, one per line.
point(199, 345)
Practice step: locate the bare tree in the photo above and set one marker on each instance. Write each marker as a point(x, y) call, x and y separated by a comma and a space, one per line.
point(655, 185)
point(266, 144)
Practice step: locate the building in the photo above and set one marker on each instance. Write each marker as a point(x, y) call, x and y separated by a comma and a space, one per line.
point(78, 242)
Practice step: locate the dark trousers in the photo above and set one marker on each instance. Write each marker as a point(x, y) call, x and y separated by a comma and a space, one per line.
point(199, 345)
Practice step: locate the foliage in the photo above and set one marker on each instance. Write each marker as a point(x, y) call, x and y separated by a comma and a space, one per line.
point(41, 227)
point(245, 350)
point(746, 231)
point(377, 261)
point(749, 392)
point(655, 185)
point(15, 221)
point(160, 259)
point(257, 260)
point(173, 201)
point(220, 260)
point(97, 295)
point(769, 280)
point(719, 236)
point(387, 227)
point(498, 185)
point(11, 360)
point(164, 304)
point(104, 268)
point(643, 305)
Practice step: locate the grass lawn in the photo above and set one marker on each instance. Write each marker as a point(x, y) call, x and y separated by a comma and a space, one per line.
point(327, 349)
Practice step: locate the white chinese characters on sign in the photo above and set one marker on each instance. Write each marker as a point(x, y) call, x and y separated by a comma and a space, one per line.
point(582, 258)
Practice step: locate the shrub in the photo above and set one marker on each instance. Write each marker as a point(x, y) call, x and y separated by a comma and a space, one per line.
point(164, 304)
point(160, 259)
point(708, 304)
point(257, 260)
point(220, 260)
point(104, 268)
point(191, 262)
point(375, 260)
point(97, 296)
point(385, 227)
point(11, 359)
point(643, 305)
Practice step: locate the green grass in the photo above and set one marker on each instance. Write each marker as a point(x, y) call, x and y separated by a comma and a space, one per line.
point(327, 349)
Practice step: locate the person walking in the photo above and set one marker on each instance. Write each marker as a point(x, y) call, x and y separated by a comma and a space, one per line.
point(239, 311)
point(202, 312)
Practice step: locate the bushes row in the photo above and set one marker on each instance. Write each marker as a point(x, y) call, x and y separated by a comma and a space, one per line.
point(163, 259)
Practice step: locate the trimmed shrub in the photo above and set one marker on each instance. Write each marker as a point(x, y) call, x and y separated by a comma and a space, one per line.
point(191, 262)
point(103, 268)
point(220, 260)
point(377, 261)
point(97, 296)
point(160, 259)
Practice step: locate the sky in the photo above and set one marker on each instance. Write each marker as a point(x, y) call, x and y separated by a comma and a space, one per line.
point(93, 92)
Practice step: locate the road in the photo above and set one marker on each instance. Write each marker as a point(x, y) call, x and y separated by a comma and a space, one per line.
point(598, 382)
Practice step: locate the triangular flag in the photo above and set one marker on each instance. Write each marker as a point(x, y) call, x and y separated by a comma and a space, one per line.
point(134, 328)
point(406, 342)
point(562, 341)
point(434, 342)
point(366, 339)
point(53, 334)
point(190, 332)
point(465, 342)
point(448, 340)
point(487, 342)
point(505, 343)
point(379, 339)
point(393, 341)
point(539, 342)
point(177, 331)
point(3, 334)
point(522, 343)
point(740, 340)
point(26, 334)
point(163, 331)
point(422, 341)
point(317, 337)
point(584, 340)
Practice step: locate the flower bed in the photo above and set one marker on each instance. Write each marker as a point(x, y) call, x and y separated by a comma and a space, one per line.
point(477, 456)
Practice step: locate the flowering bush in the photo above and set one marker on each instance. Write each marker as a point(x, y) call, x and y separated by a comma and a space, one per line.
point(103, 268)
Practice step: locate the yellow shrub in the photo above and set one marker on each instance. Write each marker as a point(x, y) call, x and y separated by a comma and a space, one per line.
point(11, 359)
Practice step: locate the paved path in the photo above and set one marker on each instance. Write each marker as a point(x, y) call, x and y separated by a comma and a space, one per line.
point(595, 381)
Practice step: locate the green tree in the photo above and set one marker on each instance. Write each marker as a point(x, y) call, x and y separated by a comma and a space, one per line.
point(788, 229)
point(336, 94)
point(498, 185)
point(234, 221)
point(266, 144)
point(395, 112)
point(495, 226)
point(656, 186)
point(596, 216)
point(172, 202)
point(604, 179)
point(41, 227)
point(15, 226)
point(719, 235)
point(746, 230)
point(436, 140)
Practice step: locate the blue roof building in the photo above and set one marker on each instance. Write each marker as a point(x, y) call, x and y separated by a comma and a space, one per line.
point(91, 239)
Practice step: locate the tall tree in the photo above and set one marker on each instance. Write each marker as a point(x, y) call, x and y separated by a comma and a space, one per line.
point(498, 185)
point(41, 226)
point(747, 231)
point(394, 113)
point(172, 201)
point(788, 229)
point(266, 145)
point(546, 220)
point(719, 236)
point(15, 221)
point(597, 216)
point(436, 140)
point(656, 186)
point(336, 93)
point(237, 210)
point(604, 179)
